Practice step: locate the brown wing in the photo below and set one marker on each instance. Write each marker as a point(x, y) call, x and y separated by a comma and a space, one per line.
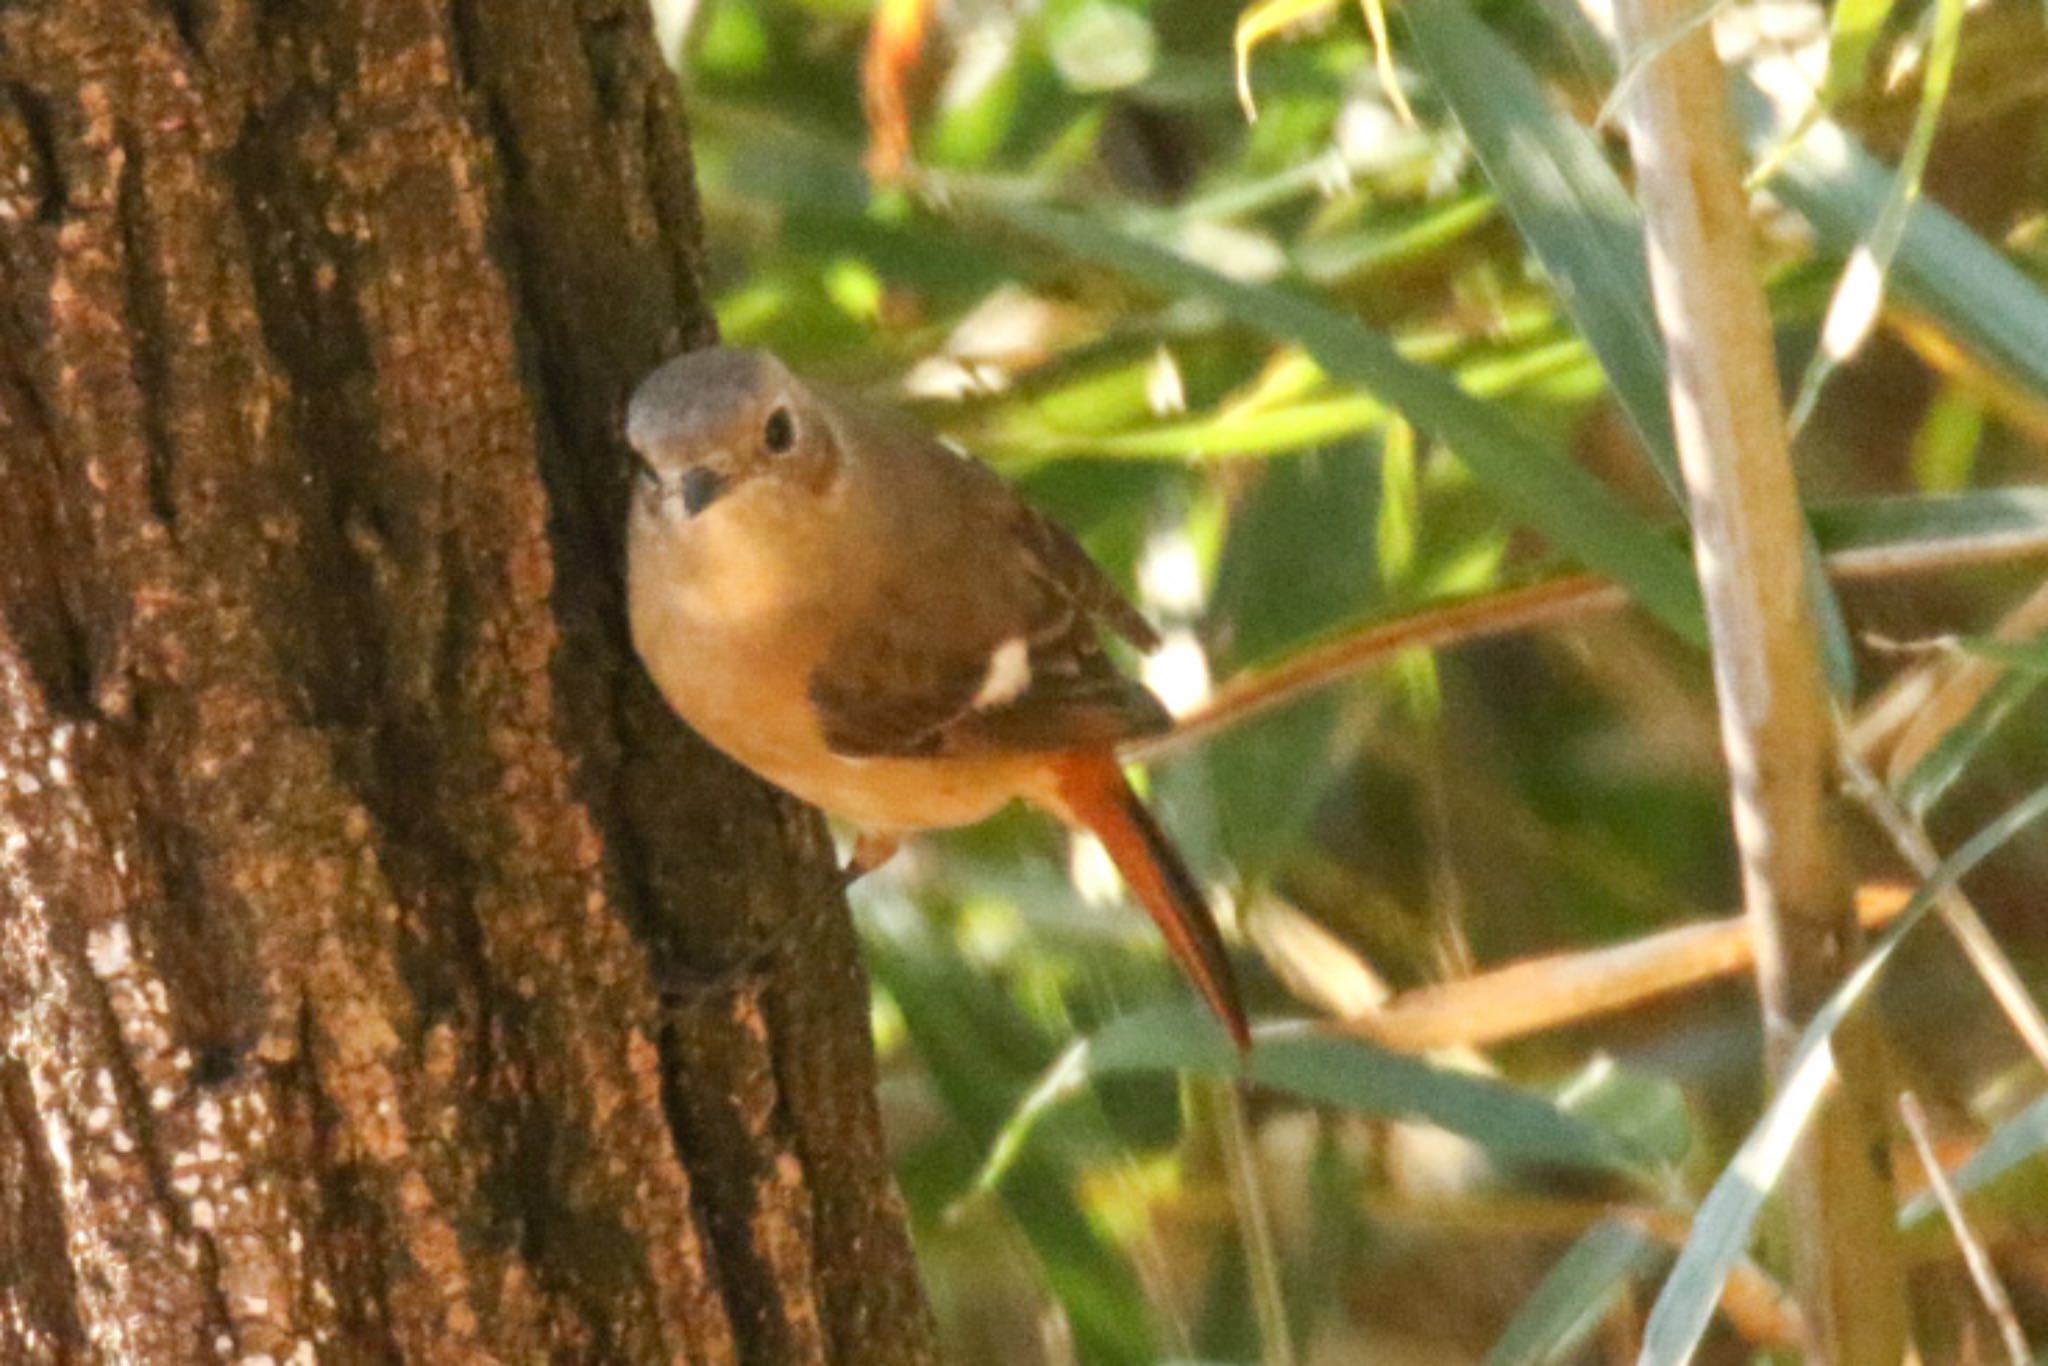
point(914, 679)
point(891, 688)
point(1076, 695)
point(1057, 559)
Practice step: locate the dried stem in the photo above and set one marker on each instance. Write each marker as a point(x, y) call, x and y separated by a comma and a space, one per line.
point(1549, 602)
point(1262, 1256)
point(1776, 722)
point(1528, 997)
point(1975, 1256)
point(1958, 912)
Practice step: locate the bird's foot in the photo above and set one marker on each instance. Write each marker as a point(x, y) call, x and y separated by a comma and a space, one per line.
point(871, 849)
point(682, 985)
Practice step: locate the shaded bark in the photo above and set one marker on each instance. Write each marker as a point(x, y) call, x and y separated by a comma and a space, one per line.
point(339, 831)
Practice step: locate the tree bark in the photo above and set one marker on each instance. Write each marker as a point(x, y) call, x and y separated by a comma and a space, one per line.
point(341, 838)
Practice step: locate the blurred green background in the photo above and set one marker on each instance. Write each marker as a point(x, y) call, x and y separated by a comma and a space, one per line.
point(1293, 377)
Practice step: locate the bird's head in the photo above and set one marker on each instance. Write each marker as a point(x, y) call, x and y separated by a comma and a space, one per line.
point(711, 424)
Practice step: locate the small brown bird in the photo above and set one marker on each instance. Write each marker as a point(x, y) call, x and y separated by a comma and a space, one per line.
point(883, 628)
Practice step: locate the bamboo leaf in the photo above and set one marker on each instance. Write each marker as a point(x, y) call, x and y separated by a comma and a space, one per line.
point(1571, 208)
point(1565, 1309)
point(1930, 779)
point(1535, 482)
point(1942, 268)
point(1577, 216)
point(1506, 1121)
point(1853, 310)
point(1721, 1230)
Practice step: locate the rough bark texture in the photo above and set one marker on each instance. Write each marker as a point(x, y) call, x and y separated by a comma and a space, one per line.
point(339, 831)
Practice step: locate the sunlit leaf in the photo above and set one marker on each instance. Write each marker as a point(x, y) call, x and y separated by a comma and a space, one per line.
point(1854, 27)
point(1853, 310)
point(1945, 448)
point(1577, 216)
point(1942, 268)
point(1537, 484)
point(1265, 18)
point(1569, 205)
point(1101, 46)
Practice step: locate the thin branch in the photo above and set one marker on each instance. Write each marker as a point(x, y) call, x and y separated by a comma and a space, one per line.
point(1958, 912)
point(1255, 691)
point(1549, 602)
point(1557, 990)
point(1996, 1302)
point(1248, 1193)
point(1963, 683)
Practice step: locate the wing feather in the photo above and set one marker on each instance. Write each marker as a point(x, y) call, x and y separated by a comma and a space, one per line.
point(909, 678)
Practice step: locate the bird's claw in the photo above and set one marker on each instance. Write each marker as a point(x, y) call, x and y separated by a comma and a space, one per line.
point(682, 985)
point(870, 851)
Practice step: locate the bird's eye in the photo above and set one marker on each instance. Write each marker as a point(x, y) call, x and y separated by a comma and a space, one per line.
point(780, 431)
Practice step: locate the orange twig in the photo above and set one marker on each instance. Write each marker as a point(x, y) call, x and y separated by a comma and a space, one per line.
point(1538, 994)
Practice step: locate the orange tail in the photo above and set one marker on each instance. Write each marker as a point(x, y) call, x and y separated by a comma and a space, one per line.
point(1092, 789)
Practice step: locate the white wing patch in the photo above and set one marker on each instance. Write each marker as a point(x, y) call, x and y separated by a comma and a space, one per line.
point(1009, 674)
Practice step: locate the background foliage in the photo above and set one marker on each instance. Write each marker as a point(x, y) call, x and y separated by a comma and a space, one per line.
point(1332, 368)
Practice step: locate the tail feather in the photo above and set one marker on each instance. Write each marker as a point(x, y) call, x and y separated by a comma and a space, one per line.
point(1093, 791)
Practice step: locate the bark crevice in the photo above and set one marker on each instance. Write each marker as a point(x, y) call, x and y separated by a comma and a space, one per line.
point(326, 939)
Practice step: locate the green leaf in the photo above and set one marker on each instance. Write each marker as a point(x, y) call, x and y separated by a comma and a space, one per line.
point(1260, 21)
point(1241, 431)
point(1510, 1123)
point(1945, 448)
point(1100, 47)
point(1504, 1120)
point(1942, 268)
point(1566, 1308)
point(1931, 778)
point(1990, 522)
point(1721, 1229)
point(1648, 1113)
point(1568, 203)
point(980, 1052)
point(1853, 30)
point(2030, 656)
point(1853, 310)
point(1430, 231)
point(1578, 218)
point(1299, 554)
point(1535, 482)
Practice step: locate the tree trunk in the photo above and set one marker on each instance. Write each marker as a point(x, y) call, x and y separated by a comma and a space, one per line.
point(341, 838)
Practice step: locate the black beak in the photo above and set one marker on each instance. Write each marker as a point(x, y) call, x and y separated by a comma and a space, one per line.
point(701, 488)
point(643, 471)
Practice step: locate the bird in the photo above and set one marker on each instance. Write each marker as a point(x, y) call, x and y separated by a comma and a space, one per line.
point(877, 623)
